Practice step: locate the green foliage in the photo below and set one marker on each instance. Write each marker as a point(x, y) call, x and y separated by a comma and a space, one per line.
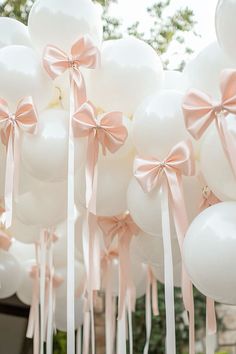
point(159, 323)
point(59, 343)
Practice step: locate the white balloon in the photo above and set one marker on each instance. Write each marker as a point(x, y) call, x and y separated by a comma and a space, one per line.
point(22, 75)
point(44, 206)
point(61, 23)
point(209, 252)
point(25, 234)
point(45, 155)
point(61, 314)
point(174, 80)
point(25, 289)
point(21, 251)
point(130, 71)
point(2, 169)
point(13, 32)
point(203, 72)
point(215, 166)
point(148, 249)
point(10, 274)
point(145, 208)
point(159, 124)
point(113, 180)
point(226, 27)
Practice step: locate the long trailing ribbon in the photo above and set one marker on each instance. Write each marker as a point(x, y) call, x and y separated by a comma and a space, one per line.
point(151, 173)
point(11, 124)
point(200, 110)
point(124, 228)
point(56, 62)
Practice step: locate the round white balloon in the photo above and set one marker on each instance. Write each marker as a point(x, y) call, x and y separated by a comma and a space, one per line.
point(145, 208)
point(21, 251)
point(203, 72)
point(159, 124)
point(22, 75)
point(45, 154)
point(61, 23)
point(226, 26)
point(215, 166)
point(10, 274)
point(13, 32)
point(25, 289)
point(25, 234)
point(61, 290)
point(174, 80)
point(159, 274)
point(130, 71)
point(113, 180)
point(209, 252)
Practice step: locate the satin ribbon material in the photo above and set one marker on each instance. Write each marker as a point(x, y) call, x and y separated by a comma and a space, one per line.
point(124, 228)
point(108, 131)
point(83, 55)
point(200, 110)
point(152, 173)
point(5, 241)
point(23, 120)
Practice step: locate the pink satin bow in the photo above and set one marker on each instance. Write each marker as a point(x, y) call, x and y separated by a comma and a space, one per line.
point(108, 131)
point(200, 110)
point(152, 173)
point(24, 119)
point(124, 228)
point(5, 241)
point(83, 54)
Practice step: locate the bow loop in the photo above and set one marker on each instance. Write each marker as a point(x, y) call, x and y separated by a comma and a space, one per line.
point(84, 53)
point(180, 161)
point(55, 61)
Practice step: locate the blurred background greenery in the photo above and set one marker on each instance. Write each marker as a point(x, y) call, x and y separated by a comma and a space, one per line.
point(161, 33)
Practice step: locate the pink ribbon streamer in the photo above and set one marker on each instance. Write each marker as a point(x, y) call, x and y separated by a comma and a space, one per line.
point(200, 110)
point(5, 241)
point(25, 120)
point(151, 173)
point(124, 228)
point(56, 62)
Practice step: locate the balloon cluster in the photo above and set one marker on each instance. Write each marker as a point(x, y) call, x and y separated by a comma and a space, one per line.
point(104, 168)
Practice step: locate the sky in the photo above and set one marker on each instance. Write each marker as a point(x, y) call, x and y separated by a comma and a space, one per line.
point(132, 10)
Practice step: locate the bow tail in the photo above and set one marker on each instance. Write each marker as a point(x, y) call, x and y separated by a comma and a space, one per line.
point(168, 271)
point(51, 295)
point(148, 313)
point(91, 173)
point(9, 179)
point(78, 88)
point(227, 140)
point(181, 225)
point(108, 308)
point(125, 277)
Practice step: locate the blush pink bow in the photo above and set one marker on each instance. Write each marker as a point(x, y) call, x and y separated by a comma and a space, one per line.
point(124, 228)
point(83, 54)
point(5, 241)
point(108, 131)
point(152, 173)
point(23, 120)
point(200, 110)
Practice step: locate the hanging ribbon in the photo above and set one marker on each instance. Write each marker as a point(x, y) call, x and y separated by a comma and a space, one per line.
point(11, 124)
point(151, 297)
point(200, 110)
point(167, 173)
point(124, 228)
point(83, 54)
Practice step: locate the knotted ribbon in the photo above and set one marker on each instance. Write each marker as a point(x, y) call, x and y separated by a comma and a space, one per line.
point(83, 54)
point(11, 124)
point(200, 110)
point(107, 131)
point(124, 228)
point(167, 174)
